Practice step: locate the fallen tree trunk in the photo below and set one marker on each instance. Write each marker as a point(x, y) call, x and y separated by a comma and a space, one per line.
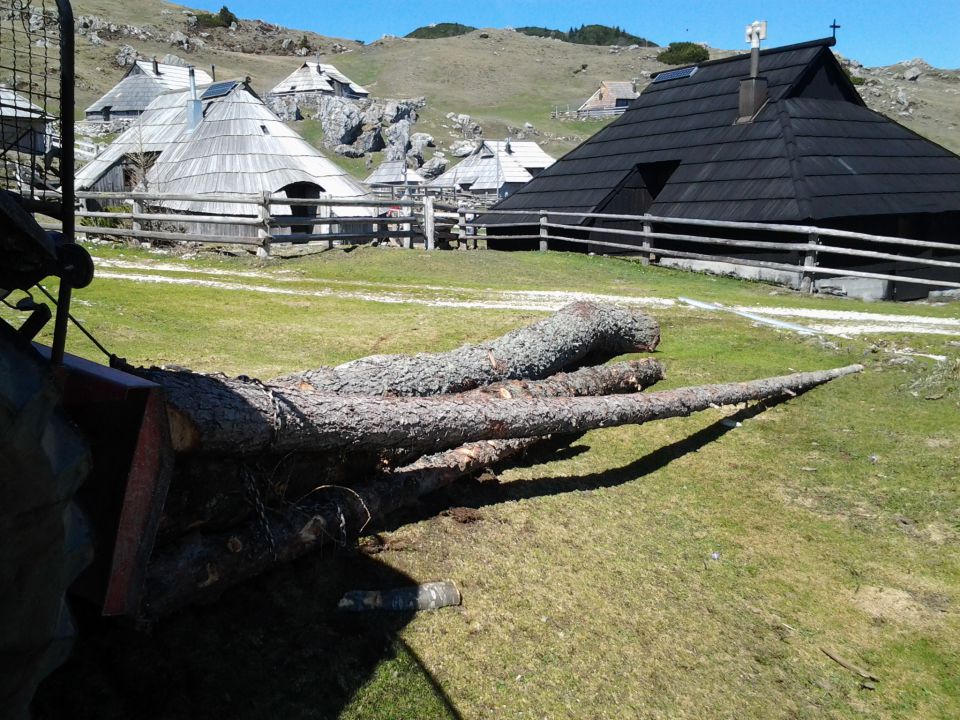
point(215, 414)
point(203, 565)
point(209, 563)
point(578, 332)
point(213, 491)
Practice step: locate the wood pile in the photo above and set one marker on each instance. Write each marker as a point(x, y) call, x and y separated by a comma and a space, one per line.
point(266, 471)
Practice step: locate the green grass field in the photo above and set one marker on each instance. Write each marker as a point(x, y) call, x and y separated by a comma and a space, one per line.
point(679, 569)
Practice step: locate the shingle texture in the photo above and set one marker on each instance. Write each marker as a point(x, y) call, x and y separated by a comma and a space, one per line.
point(317, 77)
point(495, 163)
point(813, 152)
point(141, 85)
point(239, 146)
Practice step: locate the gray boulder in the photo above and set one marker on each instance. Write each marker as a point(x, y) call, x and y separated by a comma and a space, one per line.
point(370, 140)
point(126, 55)
point(462, 148)
point(178, 38)
point(398, 136)
point(348, 151)
point(912, 73)
point(419, 141)
point(434, 167)
point(341, 120)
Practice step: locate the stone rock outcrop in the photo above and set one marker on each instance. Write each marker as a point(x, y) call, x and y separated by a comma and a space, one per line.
point(419, 141)
point(462, 148)
point(398, 140)
point(341, 120)
point(434, 167)
point(126, 56)
point(465, 125)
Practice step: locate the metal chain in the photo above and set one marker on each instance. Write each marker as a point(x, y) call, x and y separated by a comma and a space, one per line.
point(276, 422)
point(253, 493)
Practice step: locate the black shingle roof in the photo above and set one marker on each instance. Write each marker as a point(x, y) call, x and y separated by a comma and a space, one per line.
point(812, 153)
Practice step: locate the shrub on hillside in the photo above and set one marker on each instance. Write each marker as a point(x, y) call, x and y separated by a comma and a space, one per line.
point(224, 18)
point(684, 53)
point(440, 30)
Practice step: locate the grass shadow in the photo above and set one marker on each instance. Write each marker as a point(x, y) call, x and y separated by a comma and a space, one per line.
point(272, 647)
point(479, 494)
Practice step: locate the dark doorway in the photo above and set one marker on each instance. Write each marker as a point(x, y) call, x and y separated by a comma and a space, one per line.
point(307, 191)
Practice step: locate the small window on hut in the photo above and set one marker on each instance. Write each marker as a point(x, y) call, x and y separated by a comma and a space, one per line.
point(264, 130)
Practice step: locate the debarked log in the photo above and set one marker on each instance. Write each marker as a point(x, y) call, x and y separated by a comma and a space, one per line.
point(208, 563)
point(216, 414)
point(580, 332)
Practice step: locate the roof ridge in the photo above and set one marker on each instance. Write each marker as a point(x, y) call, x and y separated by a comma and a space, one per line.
point(825, 42)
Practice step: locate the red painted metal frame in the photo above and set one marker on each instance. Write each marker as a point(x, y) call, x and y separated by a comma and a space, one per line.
point(147, 479)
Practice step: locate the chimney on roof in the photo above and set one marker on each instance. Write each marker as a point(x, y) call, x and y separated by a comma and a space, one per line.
point(156, 67)
point(194, 109)
point(213, 72)
point(753, 90)
point(634, 82)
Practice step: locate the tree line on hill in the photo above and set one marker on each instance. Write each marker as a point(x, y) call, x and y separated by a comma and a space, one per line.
point(583, 35)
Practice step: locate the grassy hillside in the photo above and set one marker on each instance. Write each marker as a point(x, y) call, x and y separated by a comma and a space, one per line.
point(500, 77)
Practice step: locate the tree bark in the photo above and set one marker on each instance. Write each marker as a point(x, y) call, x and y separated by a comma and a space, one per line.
point(216, 414)
point(566, 339)
point(212, 491)
point(204, 564)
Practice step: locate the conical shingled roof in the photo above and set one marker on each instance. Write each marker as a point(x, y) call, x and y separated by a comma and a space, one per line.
point(240, 146)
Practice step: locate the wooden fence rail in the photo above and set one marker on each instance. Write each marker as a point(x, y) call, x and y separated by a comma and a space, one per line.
point(810, 252)
point(410, 220)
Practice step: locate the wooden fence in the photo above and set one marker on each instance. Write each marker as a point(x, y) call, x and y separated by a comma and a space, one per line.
point(637, 235)
point(410, 221)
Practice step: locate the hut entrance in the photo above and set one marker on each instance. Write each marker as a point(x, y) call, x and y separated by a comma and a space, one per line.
point(307, 191)
point(640, 188)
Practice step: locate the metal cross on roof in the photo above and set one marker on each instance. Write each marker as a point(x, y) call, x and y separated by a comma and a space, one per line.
point(834, 27)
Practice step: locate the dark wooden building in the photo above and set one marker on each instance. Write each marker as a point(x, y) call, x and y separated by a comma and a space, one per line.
point(793, 144)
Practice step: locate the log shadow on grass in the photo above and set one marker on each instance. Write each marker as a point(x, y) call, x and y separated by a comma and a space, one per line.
point(479, 494)
point(271, 647)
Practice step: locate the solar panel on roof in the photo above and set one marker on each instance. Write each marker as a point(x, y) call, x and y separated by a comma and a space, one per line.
point(219, 89)
point(675, 74)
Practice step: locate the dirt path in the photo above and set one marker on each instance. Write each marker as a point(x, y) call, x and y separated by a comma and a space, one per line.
point(833, 322)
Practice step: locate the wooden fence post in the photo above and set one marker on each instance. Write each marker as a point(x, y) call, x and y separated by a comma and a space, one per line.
point(263, 230)
point(649, 256)
point(461, 228)
point(543, 231)
point(809, 260)
point(136, 224)
point(429, 226)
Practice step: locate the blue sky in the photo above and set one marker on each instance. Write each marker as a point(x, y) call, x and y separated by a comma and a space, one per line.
point(875, 32)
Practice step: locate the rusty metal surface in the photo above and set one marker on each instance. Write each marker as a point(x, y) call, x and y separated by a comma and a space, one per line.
point(146, 491)
point(124, 419)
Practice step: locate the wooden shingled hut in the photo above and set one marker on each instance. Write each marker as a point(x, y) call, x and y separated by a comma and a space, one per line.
point(140, 86)
point(224, 142)
point(495, 167)
point(611, 99)
point(795, 144)
point(316, 78)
